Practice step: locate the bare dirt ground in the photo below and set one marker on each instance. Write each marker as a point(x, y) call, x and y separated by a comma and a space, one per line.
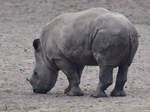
point(22, 20)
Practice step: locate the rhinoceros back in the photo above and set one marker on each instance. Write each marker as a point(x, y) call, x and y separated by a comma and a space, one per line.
point(71, 34)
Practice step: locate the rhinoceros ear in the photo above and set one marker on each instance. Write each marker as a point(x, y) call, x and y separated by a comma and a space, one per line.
point(36, 44)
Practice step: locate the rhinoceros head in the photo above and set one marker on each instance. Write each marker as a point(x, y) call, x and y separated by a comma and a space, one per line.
point(43, 79)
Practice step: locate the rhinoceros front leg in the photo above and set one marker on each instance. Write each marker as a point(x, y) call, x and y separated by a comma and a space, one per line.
point(73, 76)
point(79, 69)
point(69, 86)
point(120, 81)
point(73, 88)
point(105, 80)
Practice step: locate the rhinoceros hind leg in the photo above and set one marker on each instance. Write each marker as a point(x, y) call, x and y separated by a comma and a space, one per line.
point(120, 81)
point(105, 80)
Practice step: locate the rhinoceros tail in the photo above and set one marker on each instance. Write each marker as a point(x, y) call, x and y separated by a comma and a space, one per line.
point(133, 44)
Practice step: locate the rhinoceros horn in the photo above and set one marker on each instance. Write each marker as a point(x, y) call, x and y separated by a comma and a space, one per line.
point(27, 79)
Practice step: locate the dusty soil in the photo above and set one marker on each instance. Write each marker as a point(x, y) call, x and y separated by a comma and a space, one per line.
point(22, 20)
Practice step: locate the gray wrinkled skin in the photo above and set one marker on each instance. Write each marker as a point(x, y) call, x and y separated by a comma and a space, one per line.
point(95, 37)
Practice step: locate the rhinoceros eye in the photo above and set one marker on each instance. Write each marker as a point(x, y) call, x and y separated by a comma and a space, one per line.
point(35, 74)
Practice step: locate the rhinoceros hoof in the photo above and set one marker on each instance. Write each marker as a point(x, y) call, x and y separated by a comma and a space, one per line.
point(116, 93)
point(99, 94)
point(67, 90)
point(75, 92)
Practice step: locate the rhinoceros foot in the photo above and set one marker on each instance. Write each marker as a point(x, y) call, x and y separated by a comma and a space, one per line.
point(75, 91)
point(118, 93)
point(67, 90)
point(99, 94)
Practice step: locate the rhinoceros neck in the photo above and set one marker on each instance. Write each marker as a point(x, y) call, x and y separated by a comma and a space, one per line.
point(51, 65)
point(48, 62)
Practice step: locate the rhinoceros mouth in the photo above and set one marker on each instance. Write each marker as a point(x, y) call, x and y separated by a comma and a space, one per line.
point(39, 91)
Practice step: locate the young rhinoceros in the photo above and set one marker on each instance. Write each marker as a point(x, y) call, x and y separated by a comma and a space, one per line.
point(94, 37)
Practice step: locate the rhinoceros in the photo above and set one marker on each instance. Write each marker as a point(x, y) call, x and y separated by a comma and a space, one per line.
point(93, 37)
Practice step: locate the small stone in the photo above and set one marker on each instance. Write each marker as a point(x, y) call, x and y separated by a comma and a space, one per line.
point(25, 50)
